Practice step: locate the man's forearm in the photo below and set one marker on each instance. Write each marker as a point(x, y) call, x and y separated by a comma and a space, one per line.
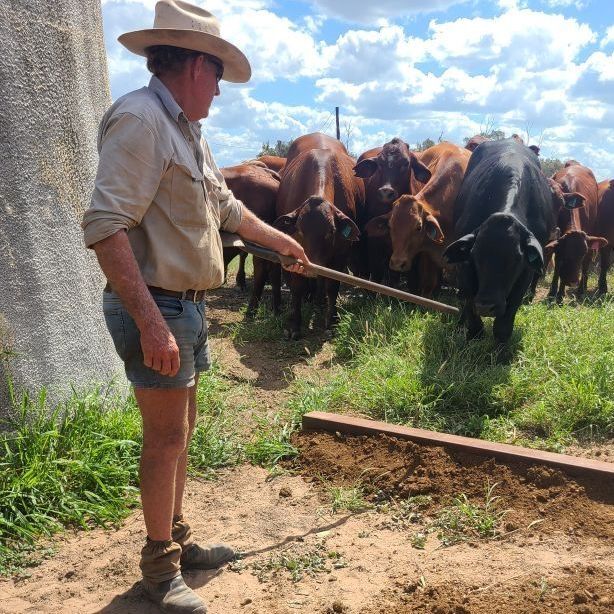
point(119, 265)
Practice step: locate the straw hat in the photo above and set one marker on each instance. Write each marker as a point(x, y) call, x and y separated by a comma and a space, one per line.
point(184, 25)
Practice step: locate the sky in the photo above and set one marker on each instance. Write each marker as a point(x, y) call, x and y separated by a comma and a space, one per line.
point(415, 69)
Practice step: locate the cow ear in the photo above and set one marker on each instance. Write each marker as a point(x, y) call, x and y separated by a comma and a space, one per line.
point(421, 172)
point(459, 250)
point(346, 227)
point(534, 253)
point(433, 229)
point(378, 226)
point(365, 168)
point(574, 200)
point(596, 242)
point(287, 223)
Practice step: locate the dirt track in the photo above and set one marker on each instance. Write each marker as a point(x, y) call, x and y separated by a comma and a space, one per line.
point(357, 563)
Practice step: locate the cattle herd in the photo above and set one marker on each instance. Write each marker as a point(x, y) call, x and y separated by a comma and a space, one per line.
point(483, 218)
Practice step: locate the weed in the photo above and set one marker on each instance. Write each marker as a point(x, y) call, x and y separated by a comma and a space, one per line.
point(271, 442)
point(350, 499)
point(315, 561)
point(418, 540)
point(464, 520)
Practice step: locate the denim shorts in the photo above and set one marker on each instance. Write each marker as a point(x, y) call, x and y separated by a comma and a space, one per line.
point(187, 322)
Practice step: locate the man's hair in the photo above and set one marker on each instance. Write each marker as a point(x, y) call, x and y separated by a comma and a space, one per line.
point(164, 59)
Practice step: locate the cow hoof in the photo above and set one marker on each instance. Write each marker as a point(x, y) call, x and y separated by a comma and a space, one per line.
point(329, 333)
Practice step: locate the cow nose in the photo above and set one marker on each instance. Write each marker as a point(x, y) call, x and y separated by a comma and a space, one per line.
point(398, 264)
point(387, 194)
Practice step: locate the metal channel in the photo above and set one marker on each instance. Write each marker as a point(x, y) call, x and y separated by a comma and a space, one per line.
point(348, 425)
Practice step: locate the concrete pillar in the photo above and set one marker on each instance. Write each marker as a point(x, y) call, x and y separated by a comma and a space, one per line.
point(53, 91)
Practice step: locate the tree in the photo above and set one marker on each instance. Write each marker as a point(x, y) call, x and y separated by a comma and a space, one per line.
point(551, 166)
point(424, 144)
point(491, 134)
point(280, 149)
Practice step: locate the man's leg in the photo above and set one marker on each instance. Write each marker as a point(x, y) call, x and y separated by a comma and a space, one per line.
point(165, 431)
point(193, 556)
point(182, 462)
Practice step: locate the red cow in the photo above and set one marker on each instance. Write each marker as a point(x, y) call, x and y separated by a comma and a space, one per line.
point(275, 163)
point(474, 141)
point(257, 188)
point(316, 204)
point(605, 227)
point(572, 250)
point(423, 223)
point(388, 172)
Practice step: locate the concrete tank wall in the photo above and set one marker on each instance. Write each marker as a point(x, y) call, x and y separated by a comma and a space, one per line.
point(53, 91)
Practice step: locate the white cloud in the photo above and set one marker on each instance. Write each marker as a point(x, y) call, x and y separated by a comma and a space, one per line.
point(608, 37)
point(370, 12)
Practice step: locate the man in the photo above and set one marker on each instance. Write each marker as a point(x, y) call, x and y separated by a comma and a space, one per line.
point(158, 204)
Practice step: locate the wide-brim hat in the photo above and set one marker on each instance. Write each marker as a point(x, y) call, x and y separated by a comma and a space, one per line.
point(184, 25)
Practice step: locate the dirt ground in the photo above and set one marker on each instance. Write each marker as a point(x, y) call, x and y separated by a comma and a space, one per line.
point(554, 552)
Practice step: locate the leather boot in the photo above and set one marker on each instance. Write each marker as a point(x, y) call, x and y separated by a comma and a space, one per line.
point(193, 556)
point(162, 582)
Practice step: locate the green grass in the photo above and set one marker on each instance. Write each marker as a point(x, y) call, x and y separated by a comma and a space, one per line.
point(465, 520)
point(349, 499)
point(77, 464)
point(553, 383)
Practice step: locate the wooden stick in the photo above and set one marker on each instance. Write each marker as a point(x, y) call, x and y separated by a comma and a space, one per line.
point(231, 240)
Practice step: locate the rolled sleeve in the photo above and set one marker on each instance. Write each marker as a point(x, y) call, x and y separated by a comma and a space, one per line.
point(130, 168)
point(231, 210)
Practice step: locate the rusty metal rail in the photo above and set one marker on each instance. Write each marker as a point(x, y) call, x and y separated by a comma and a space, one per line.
point(348, 425)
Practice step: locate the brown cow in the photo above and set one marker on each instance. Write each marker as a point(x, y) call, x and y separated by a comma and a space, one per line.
point(275, 163)
point(423, 223)
point(605, 227)
point(572, 250)
point(316, 204)
point(474, 141)
point(388, 172)
point(257, 188)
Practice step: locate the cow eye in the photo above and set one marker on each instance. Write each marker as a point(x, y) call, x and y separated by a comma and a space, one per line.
point(419, 226)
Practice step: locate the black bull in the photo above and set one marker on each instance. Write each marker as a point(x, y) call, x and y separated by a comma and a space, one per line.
point(504, 217)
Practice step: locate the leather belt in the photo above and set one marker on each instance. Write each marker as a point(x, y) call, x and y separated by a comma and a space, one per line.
point(195, 296)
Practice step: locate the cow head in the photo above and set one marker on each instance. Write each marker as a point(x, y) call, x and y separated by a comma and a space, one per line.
point(319, 227)
point(390, 170)
point(570, 251)
point(497, 254)
point(412, 225)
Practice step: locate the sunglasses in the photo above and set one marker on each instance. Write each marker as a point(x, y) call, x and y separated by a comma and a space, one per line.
point(219, 68)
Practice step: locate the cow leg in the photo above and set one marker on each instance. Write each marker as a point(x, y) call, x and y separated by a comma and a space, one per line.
point(605, 254)
point(504, 325)
point(260, 275)
point(229, 255)
point(473, 322)
point(275, 279)
point(429, 276)
point(532, 288)
point(554, 285)
point(297, 290)
point(583, 286)
point(241, 272)
point(332, 291)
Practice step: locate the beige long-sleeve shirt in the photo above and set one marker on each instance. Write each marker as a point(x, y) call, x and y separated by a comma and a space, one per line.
point(158, 181)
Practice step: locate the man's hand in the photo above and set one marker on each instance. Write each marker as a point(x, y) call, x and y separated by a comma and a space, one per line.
point(289, 247)
point(160, 350)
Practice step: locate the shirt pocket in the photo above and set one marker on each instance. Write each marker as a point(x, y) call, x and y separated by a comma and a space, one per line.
point(188, 201)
